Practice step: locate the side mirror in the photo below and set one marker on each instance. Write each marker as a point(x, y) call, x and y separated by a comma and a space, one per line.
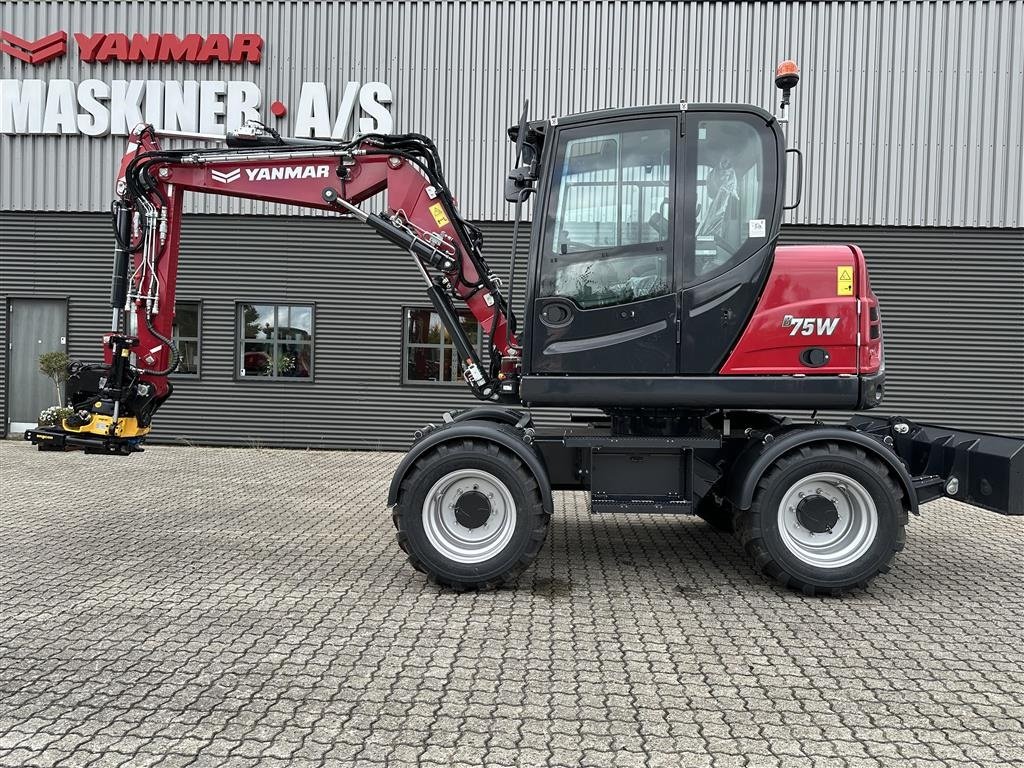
point(519, 184)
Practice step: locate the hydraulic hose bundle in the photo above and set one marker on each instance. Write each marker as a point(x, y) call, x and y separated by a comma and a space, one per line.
point(138, 196)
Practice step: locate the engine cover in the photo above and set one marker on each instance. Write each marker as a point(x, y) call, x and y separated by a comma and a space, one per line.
point(816, 316)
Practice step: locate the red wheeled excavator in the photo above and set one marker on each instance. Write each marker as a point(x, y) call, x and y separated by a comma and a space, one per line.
point(656, 294)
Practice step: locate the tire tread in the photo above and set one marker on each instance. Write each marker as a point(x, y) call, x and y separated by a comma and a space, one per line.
point(749, 525)
point(527, 482)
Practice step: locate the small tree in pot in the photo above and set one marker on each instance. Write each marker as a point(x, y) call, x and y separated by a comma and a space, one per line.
point(54, 365)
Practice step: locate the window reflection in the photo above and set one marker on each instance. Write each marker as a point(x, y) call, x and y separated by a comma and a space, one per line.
point(185, 335)
point(276, 340)
point(731, 205)
point(611, 224)
point(430, 354)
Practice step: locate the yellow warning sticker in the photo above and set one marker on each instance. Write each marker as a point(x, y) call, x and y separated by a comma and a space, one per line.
point(439, 215)
point(844, 281)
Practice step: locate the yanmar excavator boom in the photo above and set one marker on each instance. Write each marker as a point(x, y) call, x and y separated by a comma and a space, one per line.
point(656, 293)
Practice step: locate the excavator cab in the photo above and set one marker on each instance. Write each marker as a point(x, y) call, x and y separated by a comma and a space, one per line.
point(653, 236)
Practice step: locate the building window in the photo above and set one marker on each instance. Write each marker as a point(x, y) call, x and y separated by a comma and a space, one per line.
point(275, 341)
point(430, 354)
point(185, 335)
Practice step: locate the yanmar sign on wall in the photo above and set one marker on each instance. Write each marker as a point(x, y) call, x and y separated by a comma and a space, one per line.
point(100, 107)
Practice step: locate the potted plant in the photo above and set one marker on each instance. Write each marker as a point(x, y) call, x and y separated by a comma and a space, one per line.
point(54, 365)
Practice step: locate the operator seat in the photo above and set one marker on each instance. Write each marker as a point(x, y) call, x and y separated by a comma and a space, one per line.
point(723, 189)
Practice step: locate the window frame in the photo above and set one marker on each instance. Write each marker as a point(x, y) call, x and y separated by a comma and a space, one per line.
point(770, 202)
point(442, 346)
point(240, 341)
point(198, 338)
point(672, 243)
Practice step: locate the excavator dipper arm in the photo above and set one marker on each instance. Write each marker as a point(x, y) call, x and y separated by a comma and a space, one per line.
point(114, 403)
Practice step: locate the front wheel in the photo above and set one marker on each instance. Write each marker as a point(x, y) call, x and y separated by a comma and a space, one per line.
point(825, 519)
point(470, 515)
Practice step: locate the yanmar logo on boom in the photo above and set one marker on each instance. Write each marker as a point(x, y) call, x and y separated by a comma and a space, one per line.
point(281, 173)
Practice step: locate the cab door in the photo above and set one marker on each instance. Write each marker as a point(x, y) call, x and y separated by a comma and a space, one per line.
point(604, 297)
point(732, 191)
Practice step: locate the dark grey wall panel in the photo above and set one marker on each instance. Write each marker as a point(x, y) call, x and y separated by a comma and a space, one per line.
point(952, 302)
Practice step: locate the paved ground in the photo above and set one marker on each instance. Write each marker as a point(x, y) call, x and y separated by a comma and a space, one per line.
point(214, 607)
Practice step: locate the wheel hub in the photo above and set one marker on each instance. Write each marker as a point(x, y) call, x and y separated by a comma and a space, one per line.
point(472, 509)
point(817, 514)
point(469, 516)
point(827, 520)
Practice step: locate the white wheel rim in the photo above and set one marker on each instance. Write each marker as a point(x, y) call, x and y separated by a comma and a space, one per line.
point(466, 543)
point(852, 533)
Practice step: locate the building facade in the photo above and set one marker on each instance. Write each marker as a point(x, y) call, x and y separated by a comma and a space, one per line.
point(302, 329)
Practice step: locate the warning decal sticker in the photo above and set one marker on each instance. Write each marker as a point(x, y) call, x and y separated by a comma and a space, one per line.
point(439, 215)
point(844, 281)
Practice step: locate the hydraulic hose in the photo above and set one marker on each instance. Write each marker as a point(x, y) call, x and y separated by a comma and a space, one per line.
point(175, 356)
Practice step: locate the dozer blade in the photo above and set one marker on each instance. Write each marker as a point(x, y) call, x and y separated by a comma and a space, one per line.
point(978, 468)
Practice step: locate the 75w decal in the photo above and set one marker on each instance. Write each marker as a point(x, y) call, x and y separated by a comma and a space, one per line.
point(810, 326)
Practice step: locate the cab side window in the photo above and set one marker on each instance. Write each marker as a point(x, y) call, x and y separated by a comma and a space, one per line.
point(609, 229)
point(733, 216)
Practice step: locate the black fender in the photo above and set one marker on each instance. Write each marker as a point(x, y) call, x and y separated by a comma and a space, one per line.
point(752, 463)
point(497, 413)
point(480, 429)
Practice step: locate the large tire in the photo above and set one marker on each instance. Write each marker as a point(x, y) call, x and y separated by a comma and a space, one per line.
point(825, 519)
point(470, 515)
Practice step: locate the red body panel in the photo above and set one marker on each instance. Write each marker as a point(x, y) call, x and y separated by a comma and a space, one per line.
point(817, 297)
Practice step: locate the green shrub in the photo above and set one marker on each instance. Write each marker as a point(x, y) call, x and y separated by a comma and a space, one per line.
point(54, 365)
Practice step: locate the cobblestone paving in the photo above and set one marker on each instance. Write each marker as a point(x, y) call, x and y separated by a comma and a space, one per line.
point(213, 607)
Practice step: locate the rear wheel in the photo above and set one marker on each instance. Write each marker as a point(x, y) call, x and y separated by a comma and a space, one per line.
point(470, 515)
point(825, 519)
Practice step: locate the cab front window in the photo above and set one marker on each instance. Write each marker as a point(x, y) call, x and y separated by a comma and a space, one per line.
point(610, 226)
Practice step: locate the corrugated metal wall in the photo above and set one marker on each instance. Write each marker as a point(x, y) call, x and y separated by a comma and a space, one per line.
point(910, 113)
point(357, 399)
point(952, 304)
